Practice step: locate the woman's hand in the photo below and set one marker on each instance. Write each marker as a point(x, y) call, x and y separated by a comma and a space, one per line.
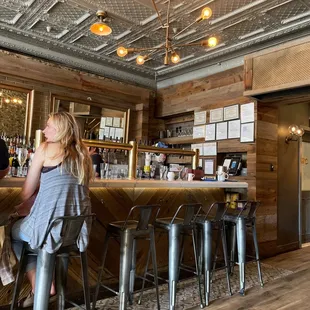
point(33, 177)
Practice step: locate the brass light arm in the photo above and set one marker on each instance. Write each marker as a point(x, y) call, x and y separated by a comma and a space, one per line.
point(201, 43)
point(158, 15)
point(181, 31)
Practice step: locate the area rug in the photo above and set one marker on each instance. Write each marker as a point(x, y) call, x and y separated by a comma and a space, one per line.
point(187, 293)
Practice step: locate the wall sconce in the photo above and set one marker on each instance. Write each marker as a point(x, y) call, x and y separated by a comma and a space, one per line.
point(295, 132)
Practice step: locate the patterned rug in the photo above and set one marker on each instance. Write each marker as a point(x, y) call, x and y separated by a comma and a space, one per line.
point(187, 293)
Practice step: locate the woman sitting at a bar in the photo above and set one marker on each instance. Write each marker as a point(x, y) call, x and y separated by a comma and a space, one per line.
point(62, 168)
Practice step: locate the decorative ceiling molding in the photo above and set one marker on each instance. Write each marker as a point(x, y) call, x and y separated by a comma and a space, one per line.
point(58, 30)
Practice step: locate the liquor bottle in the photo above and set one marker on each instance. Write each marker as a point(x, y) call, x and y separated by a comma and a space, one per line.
point(15, 165)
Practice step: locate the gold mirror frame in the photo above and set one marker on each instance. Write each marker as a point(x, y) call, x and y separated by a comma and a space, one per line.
point(126, 112)
point(29, 107)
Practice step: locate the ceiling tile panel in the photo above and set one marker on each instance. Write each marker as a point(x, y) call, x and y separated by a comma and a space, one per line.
point(66, 13)
point(288, 10)
point(129, 9)
point(48, 29)
point(7, 15)
point(87, 42)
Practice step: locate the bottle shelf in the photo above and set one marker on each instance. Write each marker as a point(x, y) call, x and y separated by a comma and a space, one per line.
point(181, 140)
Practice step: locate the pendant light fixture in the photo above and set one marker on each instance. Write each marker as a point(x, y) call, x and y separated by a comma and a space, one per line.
point(100, 28)
point(170, 47)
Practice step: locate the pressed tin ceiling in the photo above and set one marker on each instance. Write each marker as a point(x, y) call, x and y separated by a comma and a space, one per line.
point(58, 30)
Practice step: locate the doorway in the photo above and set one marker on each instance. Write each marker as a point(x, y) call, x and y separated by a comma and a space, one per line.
point(305, 189)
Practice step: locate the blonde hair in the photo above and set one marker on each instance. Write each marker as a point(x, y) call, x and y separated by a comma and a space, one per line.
point(76, 160)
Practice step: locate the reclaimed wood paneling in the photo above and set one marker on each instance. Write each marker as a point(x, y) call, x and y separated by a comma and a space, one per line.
point(224, 89)
point(49, 79)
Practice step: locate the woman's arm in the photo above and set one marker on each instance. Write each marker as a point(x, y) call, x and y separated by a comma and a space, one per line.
point(33, 177)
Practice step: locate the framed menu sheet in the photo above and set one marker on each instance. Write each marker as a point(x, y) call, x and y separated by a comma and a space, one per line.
point(199, 132)
point(216, 115)
point(210, 132)
point(234, 129)
point(221, 131)
point(231, 112)
point(247, 112)
point(209, 166)
point(247, 132)
point(200, 118)
point(210, 149)
point(116, 122)
point(109, 121)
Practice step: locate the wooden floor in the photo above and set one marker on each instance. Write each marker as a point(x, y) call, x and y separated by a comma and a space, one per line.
point(291, 292)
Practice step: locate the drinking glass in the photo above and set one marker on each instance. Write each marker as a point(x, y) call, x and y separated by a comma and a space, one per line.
point(102, 170)
point(94, 171)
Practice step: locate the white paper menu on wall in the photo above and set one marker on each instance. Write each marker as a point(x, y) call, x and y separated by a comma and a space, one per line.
point(247, 112)
point(200, 118)
point(199, 132)
point(210, 132)
point(210, 149)
point(221, 131)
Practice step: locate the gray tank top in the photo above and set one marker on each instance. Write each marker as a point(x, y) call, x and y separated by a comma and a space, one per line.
point(59, 195)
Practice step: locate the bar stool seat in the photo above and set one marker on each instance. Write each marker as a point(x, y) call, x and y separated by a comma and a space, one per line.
point(70, 231)
point(128, 232)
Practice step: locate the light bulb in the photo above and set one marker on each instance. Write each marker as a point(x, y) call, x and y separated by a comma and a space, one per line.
point(206, 13)
point(292, 128)
point(300, 132)
point(212, 42)
point(100, 29)
point(20, 101)
point(1, 93)
point(175, 58)
point(140, 60)
point(7, 100)
point(15, 100)
point(122, 51)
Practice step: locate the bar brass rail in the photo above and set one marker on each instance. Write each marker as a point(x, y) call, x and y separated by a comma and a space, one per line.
point(133, 149)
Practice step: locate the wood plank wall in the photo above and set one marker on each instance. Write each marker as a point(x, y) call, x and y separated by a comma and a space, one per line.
point(48, 80)
point(267, 176)
point(224, 89)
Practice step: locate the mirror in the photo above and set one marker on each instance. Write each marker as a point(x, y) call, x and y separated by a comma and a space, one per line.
point(16, 106)
point(97, 121)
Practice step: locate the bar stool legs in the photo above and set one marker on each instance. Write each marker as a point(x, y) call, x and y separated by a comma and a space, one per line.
point(152, 253)
point(84, 262)
point(257, 253)
point(44, 277)
point(208, 269)
point(241, 244)
point(19, 280)
point(174, 254)
point(101, 268)
point(125, 264)
point(61, 279)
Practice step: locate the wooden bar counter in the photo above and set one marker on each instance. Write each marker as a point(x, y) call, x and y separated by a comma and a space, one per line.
point(111, 201)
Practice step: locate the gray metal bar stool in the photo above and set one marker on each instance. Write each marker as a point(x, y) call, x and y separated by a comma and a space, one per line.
point(245, 216)
point(129, 231)
point(70, 227)
point(178, 228)
point(212, 221)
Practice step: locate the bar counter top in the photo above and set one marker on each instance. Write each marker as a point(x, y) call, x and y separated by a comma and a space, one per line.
point(18, 182)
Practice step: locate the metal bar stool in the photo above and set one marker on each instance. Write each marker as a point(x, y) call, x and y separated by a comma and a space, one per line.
point(177, 228)
point(70, 227)
point(212, 221)
point(245, 217)
point(128, 232)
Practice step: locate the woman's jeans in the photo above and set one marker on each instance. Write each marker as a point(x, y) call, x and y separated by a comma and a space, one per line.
point(17, 241)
